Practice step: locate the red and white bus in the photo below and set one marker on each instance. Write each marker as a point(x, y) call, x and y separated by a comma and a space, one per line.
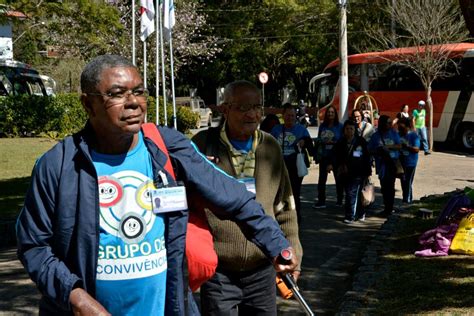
point(393, 85)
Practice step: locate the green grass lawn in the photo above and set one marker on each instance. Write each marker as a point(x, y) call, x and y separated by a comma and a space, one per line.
point(17, 158)
point(424, 286)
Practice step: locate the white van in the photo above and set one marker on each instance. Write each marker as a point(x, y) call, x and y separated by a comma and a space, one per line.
point(197, 105)
point(19, 78)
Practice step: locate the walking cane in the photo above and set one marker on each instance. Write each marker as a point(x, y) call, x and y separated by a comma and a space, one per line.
point(287, 286)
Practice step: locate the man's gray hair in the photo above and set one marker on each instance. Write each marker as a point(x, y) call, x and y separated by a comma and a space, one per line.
point(91, 75)
point(239, 84)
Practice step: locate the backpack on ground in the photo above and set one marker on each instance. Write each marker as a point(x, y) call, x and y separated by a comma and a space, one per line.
point(451, 209)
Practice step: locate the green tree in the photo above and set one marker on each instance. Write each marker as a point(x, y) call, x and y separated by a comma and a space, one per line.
point(441, 23)
point(83, 29)
point(291, 40)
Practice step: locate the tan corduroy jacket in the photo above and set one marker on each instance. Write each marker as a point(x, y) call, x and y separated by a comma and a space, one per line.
point(273, 189)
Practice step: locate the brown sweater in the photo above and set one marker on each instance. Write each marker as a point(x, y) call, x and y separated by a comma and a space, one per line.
point(273, 189)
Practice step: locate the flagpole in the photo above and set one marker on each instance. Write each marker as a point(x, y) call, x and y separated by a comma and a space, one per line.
point(133, 32)
point(163, 81)
point(175, 123)
point(144, 70)
point(157, 66)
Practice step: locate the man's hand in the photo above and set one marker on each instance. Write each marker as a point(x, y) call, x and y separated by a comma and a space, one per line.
point(83, 304)
point(296, 275)
point(285, 262)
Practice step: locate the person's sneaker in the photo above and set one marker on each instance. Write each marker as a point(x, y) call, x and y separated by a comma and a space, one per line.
point(319, 205)
point(362, 218)
point(348, 221)
point(427, 153)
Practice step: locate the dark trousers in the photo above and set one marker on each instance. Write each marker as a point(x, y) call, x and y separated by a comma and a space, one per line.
point(296, 182)
point(387, 186)
point(240, 293)
point(353, 207)
point(407, 184)
point(323, 178)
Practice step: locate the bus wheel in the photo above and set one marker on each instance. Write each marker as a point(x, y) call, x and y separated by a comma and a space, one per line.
point(467, 136)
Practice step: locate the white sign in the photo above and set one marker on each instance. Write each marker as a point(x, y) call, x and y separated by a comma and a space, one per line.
point(6, 48)
point(263, 77)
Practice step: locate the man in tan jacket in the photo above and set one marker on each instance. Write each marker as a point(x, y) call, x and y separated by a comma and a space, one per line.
point(244, 282)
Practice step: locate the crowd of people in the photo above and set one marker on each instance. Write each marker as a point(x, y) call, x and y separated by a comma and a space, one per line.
point(93, 241)
point(351, 149)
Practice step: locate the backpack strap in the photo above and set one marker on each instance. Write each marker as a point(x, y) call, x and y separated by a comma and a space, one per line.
point(151, 131)
point(212, 141)
point(200, 254)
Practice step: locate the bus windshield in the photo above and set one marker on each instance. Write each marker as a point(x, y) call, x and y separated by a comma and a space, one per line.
point(325, 89)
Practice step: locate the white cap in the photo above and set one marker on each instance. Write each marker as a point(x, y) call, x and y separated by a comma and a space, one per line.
point(421, 102)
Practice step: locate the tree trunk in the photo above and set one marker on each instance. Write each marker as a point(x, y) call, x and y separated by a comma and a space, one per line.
point(429, 102)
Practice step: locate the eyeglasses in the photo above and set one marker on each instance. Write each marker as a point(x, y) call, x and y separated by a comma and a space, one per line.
point(245, 107)
point(121, 96)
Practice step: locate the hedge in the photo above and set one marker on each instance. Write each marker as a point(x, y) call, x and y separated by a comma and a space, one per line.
point(61, 115)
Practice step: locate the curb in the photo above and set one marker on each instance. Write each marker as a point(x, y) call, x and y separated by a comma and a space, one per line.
point(360, 299)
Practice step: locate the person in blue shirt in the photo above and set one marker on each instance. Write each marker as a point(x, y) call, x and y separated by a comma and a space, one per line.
point(329, 134)
point(89, 235)
point(384, 146)
point(408, 156)
point(352, 155)
point(293, 138)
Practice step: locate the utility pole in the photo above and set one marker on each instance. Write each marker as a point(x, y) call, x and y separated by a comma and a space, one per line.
point(392, 26)
point(343, 72)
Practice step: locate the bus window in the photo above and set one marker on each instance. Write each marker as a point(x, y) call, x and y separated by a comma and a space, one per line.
point(354, 78)
point(393, 77)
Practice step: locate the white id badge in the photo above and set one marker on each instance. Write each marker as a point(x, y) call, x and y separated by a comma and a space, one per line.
point(356, 153)
point(249, 184)
point(169, 199)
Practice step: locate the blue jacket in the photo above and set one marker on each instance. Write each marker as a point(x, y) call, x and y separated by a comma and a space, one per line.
point(58, 227)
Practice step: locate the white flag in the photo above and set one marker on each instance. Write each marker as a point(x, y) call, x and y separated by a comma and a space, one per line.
point(168, 20)
point(147, 25)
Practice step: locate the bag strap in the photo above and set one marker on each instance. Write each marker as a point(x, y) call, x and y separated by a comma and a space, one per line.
point(213, 134)
point(151, 131)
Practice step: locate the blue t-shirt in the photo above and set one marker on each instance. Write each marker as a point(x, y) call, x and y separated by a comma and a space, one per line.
point(131, 270)
point(242, 145)
point(391, 137)
point(408, 158)
point(330, 135)
point(291, 137)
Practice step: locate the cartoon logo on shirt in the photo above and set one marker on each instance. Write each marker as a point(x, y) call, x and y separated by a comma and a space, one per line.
point(125, 205)
point(388, 141)
point(132, 227)
point(327, 135)
point(110, 191)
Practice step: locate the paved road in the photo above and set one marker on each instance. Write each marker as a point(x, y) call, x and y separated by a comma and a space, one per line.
point(332, 249)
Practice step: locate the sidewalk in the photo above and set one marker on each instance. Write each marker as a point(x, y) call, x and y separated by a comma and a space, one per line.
point(332, 250)
point(332, 254)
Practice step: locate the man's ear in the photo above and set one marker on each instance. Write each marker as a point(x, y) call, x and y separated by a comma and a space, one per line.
point(86, 104)
point(224, 109)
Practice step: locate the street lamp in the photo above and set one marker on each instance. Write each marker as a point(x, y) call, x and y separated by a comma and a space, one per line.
point(31, 26)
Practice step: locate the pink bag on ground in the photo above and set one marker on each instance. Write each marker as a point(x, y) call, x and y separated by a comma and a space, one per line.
point(436, 242)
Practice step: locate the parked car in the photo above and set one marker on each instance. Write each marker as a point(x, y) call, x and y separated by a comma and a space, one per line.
point(19, 78)
point(197, 105)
